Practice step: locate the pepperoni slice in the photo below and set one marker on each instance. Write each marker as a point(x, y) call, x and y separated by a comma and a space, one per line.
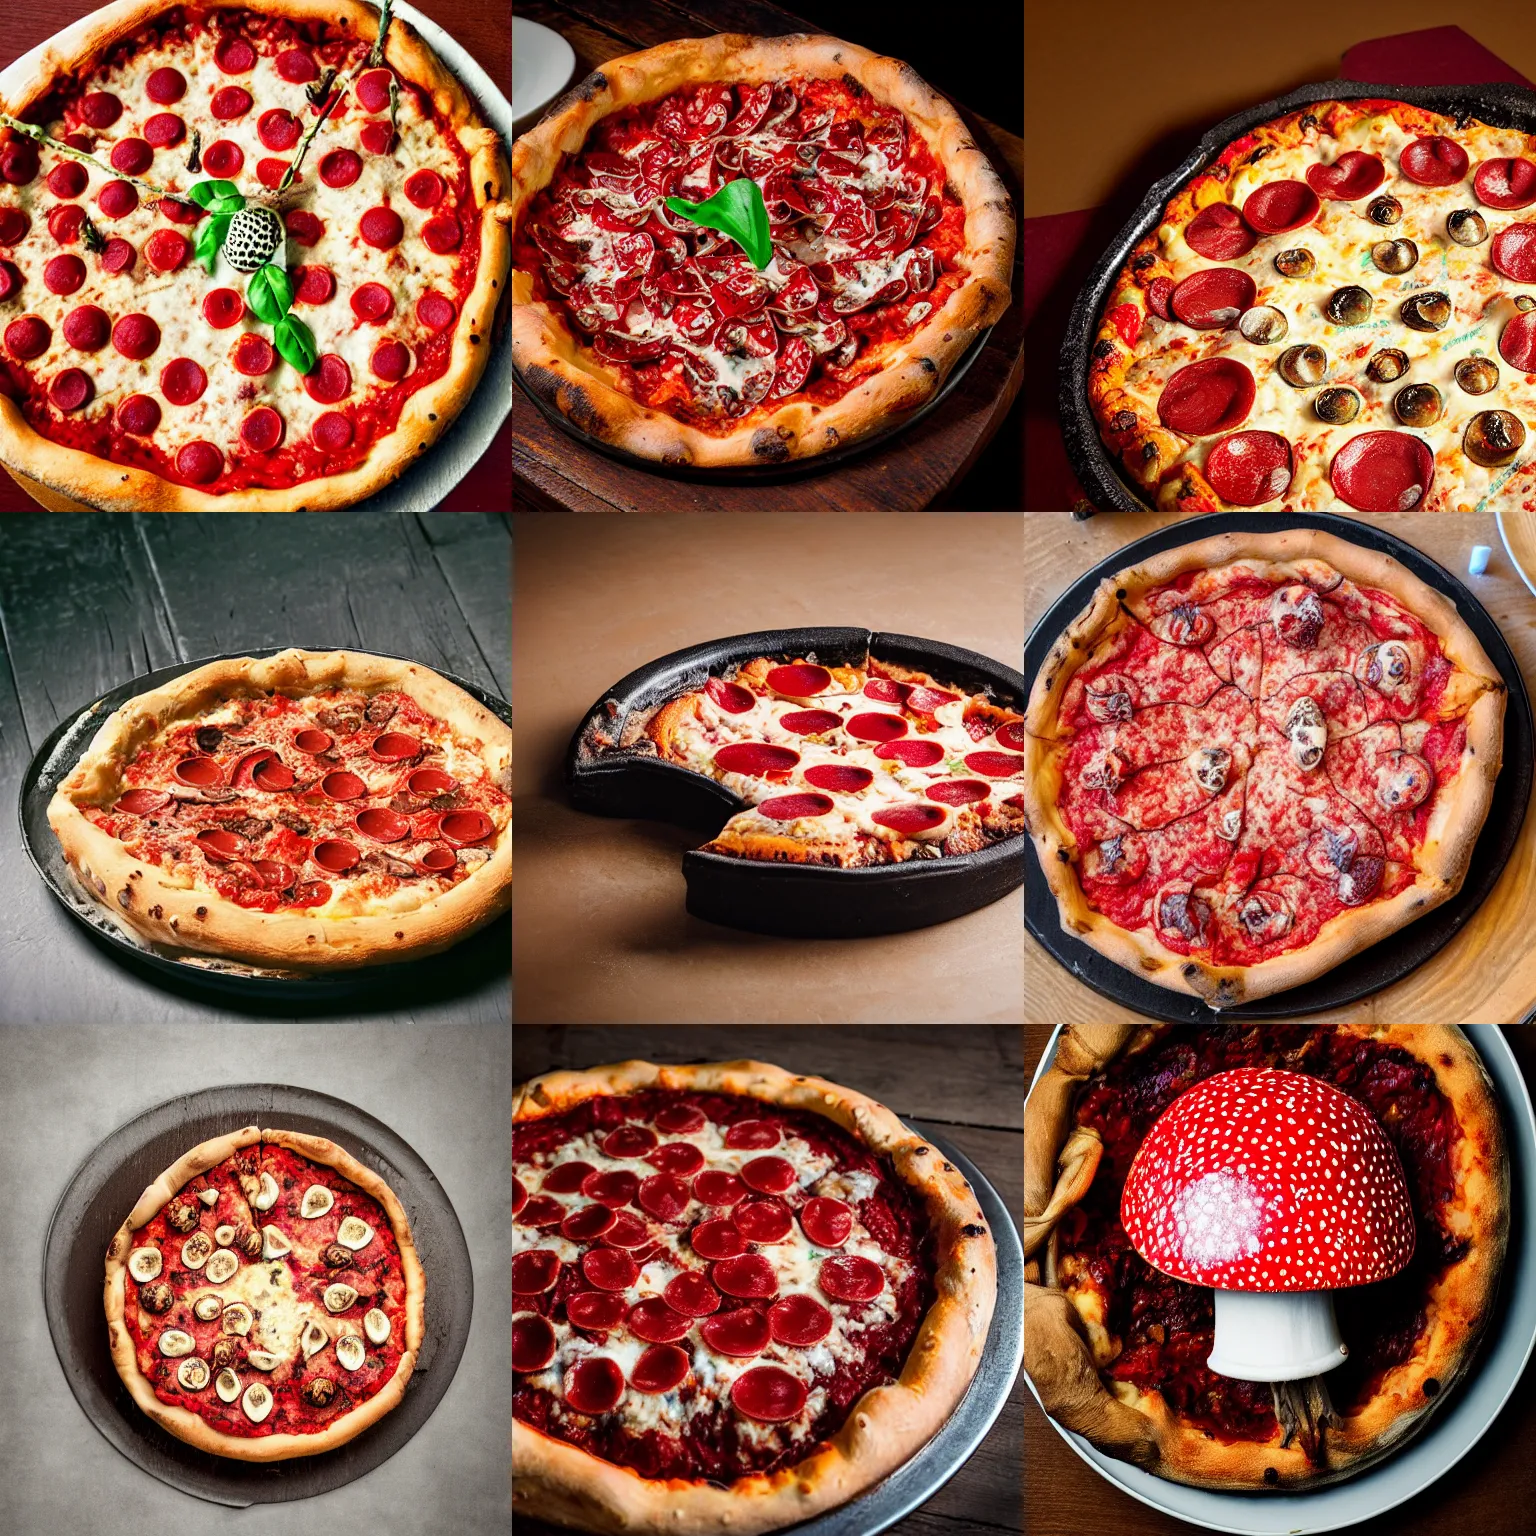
point(886, 690)
point(596, 1311)
point(1218, 233)
point(614, 1186)
point(661, 1368)
point(923, 700)
point(393, 747)
point(657, 1323)
point(220, 845)
point(200, 772)
point(382, 826)
point(588, 1224)
point(810, 722)
point(876, 727)
point(839, 778)
point(437, 860)
point(752, 1136)
point(313, 741)
point(1517, 342)
point(541, 1211)
point(627, 1231)
point(611, 1270)
point(1383, 471)
point(912, 753)
point(1434, 161)
point(749, 1275)
point(594, 1385)
point(664, 1196)
point(794, 807)
point(768, 1394)
point(533, 1343)
point(335, 856)
point(272, 775)
point(958, 791)
point(731, 697)
point(994, 765)
point(763, 1219)
point(428, 782)
point(1513, 252)
point(1249, 468)
point(566, 1178)
point(717, 1239)
point(799, 1321)
point(274, 874)
point(342, 786)
point(803, 680)
point(1509, 183)
point(629, 1141)
point(1353, 175)
point(679, 1119)
point(1203, 398)
point(1279, 206)
point(847, 1277)
point(716, 1187)
point(827, 1222)
point(464, 827)
point(534, 1271)
point(691, 1294)
point(909, 820)
point(142, 802)
point(755, 759)
point(1160, 289)
point(679, 1157)
point(741, 1333)
point(1213, 298)
point(519, 1195)
point(1011, 735)
point(769, 1175)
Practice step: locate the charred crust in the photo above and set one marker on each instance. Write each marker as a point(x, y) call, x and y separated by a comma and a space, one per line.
point(973, 1229)
point(1271, 1476)
point(1063, 855)
point(768, 446)
point(928, 365)
point(584, 90)
point(1259, 154)
point(1307, 120)
point(858, 90)
point(1141, 262)
point(1103, 348)
point(1431, 1386)
point(1122, 421)
point(201, 912)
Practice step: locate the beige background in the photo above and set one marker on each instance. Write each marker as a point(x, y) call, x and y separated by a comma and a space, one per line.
point(1102, 83)
point(599, 930)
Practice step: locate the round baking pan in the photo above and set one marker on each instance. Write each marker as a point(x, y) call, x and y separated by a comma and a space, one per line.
point(799, 900)
point(1392, 958)
point(486, 953)
point(1097, 471)
point(104, 1191)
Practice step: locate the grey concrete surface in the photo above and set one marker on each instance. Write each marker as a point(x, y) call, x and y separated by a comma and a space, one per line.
point(447, 1091)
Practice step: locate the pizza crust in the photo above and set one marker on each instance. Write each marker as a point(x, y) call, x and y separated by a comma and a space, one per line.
point(159, 906)
point(553, 1480)
point(573, 381)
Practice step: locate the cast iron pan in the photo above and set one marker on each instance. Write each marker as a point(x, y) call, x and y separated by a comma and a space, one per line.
point(1505, 106)
point(802, 900)
point(106, 1188)
point(1383, 963)
point(481, 954)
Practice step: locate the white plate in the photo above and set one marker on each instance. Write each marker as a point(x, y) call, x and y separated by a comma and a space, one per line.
point(1450, 1433)
point(1518, 531)
point(542, 64)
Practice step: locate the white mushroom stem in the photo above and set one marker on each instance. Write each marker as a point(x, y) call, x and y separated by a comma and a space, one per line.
point(1276, 1335)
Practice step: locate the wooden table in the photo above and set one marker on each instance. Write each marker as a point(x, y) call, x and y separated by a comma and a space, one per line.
point(92, 601)
point(1487, 973)
point(966, 1082)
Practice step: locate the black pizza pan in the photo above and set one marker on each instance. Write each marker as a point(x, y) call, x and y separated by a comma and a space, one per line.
point(1394, 957)
point(106, 1188)
point(1097, 471)
point(483, 954)
point(798, 900)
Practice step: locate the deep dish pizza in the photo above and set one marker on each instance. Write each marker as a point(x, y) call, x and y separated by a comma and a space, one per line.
point(739, 1296)
point(264, 1299)
point(1338, 310)
point(1117, 1350)
point(1252, 756)
point(891, 248)
point(850, 766)
point(250, 255)
point(310, 810)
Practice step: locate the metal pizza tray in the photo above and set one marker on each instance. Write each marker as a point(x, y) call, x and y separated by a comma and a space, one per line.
point(483, 954)
point(1097, 471)
point(105, 1189)
point(1392, 958)
point(799, 900)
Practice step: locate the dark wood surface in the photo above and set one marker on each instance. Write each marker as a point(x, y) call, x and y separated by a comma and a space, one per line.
point(926, 466)
point(90, 602)
point(966, 1082)
point(1491, 1491)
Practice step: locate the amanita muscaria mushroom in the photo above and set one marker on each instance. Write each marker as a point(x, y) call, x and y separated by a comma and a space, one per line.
point(1275, 1189)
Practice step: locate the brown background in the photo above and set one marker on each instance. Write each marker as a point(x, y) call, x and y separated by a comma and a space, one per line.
point(1491, 1491)
point(599, 930)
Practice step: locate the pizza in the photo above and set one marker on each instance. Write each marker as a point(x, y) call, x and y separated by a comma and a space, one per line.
point(1339, 309)
point(848, 766)
point(1252, 756)
point(250, 254)
point(311, 810)
point(264, 1299)
point(1117, 1350)
point(887, 247)
point(740, 1296)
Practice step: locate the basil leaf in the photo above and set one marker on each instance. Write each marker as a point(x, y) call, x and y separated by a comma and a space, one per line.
point(270, 295)
point(209, 238)
point(736, 210)
point(206, 193)
point(296, 342)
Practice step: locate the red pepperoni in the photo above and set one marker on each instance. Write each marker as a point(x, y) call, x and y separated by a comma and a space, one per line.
point(923, 700)
point(886, 690)
point(958, 791)
point(827, 1222)
point(914, 753)
point(594, 1385)
point(1352, 176)
point(810, 722)
point(657, 1323)
point(717, 1239)
point(749, 1275)
point(731, 697)
point(519, 1195)
point(274, 874)
point(876, 727)
point(1160, 291)
point(313, 741)
point(461, 828)
point(664, 1196)
point(627, 1231)
point(588, 1224)
point(1506, 184)
point(794, 807)
point(393, 747)
point(533, 1343)
point(994, 765)
point(1011, 735)
point(910, 819)
point(763, 1219)
point(220, 845)
point(769, 1175)
point(1383, 471)
point(313, 893)
point(272, 775)
point(661, 1368)
point(335, 856)
point(1218, 233)
point(1513, 252)
point(768, 1394)
point(629, 1141)
point(679, 1157)
point(200, 772)
point(803, 680)
point(1434, 161)
point(755, 759)
point(431, 781)
point(596, 1311)
point(799, 1321)
point(615, 1187)
point(1517, 342)
point(143, 802)
point(383, 826)
point(691, 1294)
point(847, 1277)
point(680, 1119)
point(840, 779)
point(1206, 397)
point(752, 1136)
point(534, 1271)
point(565, 1178)
point(609, 1269)
point(436, 860)
point(741, 1334)
point(645, 1252)
point(716, 1187)
point(342, 786)
point(1213, 298)
point(541, 1211)
point(1250, 468)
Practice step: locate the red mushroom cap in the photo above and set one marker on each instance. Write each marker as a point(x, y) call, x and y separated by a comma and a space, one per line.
point(1257, 1180)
